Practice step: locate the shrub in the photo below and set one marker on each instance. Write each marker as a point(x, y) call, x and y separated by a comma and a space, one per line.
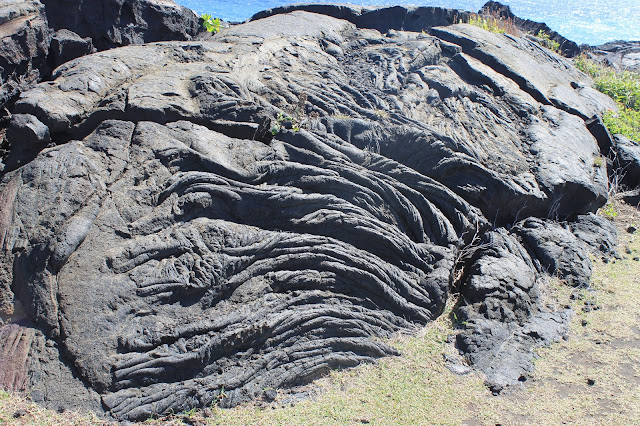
point(622, 86)
point(546, 41)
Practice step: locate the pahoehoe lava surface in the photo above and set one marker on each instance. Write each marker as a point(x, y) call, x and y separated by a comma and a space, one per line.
point(167, 248)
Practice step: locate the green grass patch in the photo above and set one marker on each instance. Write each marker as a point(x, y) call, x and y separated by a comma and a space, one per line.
point(621, 86)
point(625, 122)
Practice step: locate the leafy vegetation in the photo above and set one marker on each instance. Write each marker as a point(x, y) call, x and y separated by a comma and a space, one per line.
point(280, 123)
point(625, 122)
point(547, 41)
point(295, 121)
point(210, 24)
point(489, 24)
point(609, 211)
point(621, 86)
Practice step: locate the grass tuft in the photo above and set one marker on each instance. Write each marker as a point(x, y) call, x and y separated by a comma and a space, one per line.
point(493, 23)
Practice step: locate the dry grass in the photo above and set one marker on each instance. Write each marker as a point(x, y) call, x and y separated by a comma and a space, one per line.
point(15, 410)
point(494, 23)
point(592, 378)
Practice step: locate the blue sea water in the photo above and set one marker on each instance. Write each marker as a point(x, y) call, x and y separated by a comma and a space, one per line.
point(583, 21)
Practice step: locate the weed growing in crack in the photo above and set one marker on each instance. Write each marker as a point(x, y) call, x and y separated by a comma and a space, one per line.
point(296, 121)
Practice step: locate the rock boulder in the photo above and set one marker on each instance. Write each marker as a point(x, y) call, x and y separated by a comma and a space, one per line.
point(24, 46)
point(113, 23)
point(248, 212)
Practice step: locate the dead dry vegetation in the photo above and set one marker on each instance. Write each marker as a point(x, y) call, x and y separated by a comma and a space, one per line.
point(593, 377)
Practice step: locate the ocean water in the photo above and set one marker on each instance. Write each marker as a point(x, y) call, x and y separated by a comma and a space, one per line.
point(583, 21)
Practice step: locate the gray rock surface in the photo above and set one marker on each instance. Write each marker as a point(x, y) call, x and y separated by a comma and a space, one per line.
point(383, 19)
point(112, 23)
point(24, 46)
point(598, 233)
point(172, 246)
point(67, 45)
point(623, 55)
point(557, 250)
point(628, 157)
point(503, 320)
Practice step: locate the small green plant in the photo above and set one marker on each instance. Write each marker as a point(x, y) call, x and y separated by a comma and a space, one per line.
point(188, 413)
point(210, 24)
point(458, 323)
point(545, 40)
point(609, 211)
point(221, 396)
point(598, 161)
point(297, 119)
point(279, 124)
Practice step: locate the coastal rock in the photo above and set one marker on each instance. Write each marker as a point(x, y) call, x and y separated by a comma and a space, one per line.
point(567, 47)
point(622, 55)
point(29, 137)
point(24, 46)
point(112, 23)
point(503, 321)
point(628, 157)
point(384, 19)
point(214, 218)
point(67, 45)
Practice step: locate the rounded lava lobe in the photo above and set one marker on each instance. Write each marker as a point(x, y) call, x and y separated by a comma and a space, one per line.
point(182, 253)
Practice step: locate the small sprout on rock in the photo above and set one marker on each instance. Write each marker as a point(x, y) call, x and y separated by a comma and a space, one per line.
point(281, 119)
point(210, 24)
point(609, 211)
point(297, 120)
point(598, 161)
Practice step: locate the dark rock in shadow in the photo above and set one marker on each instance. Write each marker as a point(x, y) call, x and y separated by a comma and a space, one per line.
point(113, 23)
